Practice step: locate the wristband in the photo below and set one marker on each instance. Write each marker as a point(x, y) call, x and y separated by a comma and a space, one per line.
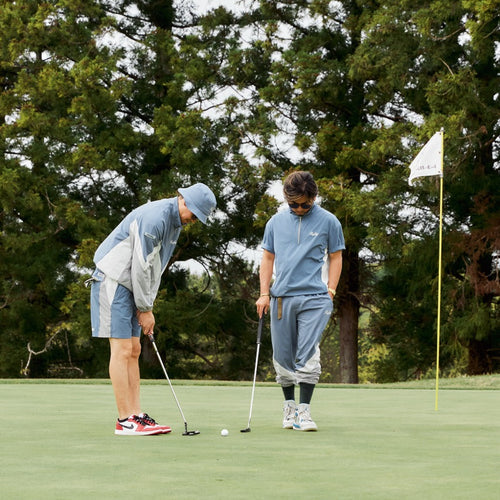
point(265, 295)
point(332, 291)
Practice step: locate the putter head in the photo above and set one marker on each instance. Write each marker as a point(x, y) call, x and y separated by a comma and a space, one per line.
point(246, 430)
point(189, 433)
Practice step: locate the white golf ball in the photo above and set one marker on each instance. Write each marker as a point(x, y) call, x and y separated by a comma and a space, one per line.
point(224, 432)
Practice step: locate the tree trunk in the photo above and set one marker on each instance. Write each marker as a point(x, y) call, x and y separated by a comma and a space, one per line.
point(348, 318)
point(479, 361)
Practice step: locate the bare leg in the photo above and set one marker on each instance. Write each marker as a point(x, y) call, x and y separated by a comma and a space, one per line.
point(124, 374)
point(134, 377)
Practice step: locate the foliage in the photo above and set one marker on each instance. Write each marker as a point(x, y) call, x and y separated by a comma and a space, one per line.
point(450, 75)
point(105, 105)
point(102, 111)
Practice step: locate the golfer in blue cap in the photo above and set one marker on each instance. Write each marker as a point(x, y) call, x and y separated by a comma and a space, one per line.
point(129, 264)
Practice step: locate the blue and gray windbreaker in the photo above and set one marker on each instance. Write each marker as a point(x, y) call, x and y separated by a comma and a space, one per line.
point(137, 251)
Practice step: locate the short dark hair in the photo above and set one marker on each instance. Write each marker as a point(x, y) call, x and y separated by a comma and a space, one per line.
point(299, 184)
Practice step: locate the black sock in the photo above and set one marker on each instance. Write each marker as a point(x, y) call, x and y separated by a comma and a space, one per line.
point(306, 392)
point(289, 392)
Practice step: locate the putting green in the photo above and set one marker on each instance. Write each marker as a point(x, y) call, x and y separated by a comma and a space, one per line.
point(57, 442)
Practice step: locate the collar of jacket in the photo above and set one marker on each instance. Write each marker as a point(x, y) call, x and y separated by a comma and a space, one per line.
point(177, 215)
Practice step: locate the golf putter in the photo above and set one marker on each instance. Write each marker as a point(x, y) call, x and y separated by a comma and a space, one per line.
point(259, 334)
point(186, 432)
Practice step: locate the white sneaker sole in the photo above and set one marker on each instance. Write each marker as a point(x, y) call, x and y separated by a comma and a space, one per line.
point(304, 429)
point(135, 433)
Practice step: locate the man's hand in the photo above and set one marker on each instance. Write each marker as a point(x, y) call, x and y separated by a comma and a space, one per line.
point(262, 305)
point(146, 321)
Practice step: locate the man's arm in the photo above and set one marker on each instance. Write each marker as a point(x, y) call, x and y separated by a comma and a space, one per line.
point(335, 268)
point(266, 274)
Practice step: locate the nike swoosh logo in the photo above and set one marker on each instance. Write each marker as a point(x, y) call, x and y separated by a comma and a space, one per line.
point(131, 426)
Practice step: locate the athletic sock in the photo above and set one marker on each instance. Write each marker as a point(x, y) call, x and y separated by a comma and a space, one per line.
point(289, 392)
point(306, 392)
point(125, 419)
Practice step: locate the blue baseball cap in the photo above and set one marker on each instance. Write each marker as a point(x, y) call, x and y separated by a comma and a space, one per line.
point(200, 200)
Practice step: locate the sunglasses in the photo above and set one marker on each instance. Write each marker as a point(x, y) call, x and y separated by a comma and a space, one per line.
point(305, 206)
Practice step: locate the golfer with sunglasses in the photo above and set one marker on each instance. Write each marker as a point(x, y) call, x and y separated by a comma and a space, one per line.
point(297, 242)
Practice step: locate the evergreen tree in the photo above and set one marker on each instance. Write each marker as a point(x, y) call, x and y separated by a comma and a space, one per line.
point(342, 89)
point(51, 76)
point(434, 65)
point(103, 109)
point(105, 105)
point(310, 112)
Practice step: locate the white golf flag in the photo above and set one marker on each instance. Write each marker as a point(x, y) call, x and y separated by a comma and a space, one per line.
point(429, 159)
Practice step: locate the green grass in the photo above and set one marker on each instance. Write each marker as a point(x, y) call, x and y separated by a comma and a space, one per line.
point(57, 442)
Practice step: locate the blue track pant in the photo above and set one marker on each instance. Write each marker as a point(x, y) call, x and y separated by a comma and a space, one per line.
point(296, 337)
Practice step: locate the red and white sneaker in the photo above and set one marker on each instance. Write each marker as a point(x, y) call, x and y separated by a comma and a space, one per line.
point(164, 429)
point(135, 426)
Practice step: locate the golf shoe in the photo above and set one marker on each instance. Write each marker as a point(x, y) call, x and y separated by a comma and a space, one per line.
point(289, 408)
point(303, 420)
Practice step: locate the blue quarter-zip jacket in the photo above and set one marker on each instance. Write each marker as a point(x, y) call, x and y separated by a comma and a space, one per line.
point(301, 245)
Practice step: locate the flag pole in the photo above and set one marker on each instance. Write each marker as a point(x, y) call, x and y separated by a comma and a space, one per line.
point(439, 268)
point(429, 161)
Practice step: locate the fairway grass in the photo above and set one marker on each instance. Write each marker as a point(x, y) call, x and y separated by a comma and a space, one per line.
point(57, 442)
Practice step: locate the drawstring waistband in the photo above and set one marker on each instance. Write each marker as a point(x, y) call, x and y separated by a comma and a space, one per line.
point(88, 282)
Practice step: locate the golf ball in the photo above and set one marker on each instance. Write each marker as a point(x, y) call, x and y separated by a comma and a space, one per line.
point(224, 432)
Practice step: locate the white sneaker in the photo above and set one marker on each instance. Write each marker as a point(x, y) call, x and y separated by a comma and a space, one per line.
point(289, 409)
point(303, 420)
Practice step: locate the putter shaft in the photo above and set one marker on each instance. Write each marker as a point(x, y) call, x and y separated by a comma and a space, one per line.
point(259, 334)
point(186, 433)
